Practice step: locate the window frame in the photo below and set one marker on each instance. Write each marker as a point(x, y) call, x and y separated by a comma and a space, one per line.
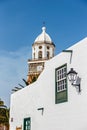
point(27, 119)
point(61, 94)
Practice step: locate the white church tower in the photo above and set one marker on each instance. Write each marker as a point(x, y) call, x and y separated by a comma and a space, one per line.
point(42, 50)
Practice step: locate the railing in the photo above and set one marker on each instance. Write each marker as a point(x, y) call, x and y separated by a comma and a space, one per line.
point(39, 59)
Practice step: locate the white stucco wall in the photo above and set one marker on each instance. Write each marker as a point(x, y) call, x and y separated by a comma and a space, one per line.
point(70, 115)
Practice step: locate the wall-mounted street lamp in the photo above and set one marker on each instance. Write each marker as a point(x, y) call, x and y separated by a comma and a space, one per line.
point(74, 79)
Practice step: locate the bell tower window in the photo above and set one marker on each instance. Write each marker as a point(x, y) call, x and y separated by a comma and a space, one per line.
point(34, 55)
point(48, 54)
point(40, 47)
point(48, 47)
point(40, 54)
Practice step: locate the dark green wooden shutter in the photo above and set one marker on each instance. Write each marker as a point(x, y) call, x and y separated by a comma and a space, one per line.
point(27, 123)
point(61, 91)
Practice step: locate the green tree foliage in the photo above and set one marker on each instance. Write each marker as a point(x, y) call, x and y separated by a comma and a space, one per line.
point(4, 116)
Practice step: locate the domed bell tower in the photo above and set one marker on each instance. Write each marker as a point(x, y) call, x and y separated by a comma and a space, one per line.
point(42, 50)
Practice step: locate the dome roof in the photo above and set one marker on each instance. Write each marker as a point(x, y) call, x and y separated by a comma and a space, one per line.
point(43, 37)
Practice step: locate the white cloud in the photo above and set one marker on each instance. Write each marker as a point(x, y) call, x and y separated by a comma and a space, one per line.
point(13, 67)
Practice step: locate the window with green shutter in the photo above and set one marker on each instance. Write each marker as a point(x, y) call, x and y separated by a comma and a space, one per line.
point(27, 123)
point(61, 84)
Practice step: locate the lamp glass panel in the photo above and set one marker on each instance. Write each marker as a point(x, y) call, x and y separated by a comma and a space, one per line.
point(72, 77)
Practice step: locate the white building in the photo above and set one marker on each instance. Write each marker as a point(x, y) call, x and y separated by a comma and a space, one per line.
point(52, 102)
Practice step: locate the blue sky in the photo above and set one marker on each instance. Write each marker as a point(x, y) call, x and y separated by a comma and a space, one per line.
point(21, 22)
